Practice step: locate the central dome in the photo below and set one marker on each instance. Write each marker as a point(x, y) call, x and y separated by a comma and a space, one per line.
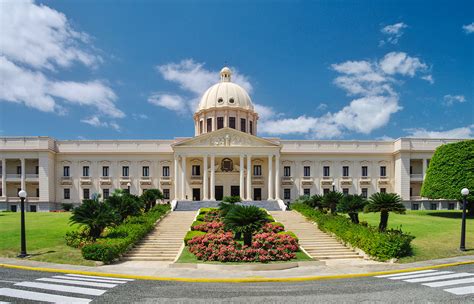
point(225, 94)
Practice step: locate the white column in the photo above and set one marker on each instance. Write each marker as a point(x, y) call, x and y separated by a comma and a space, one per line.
point(424, 168)
point(213, 178)
point(176, 178)
point(249, 177)
point(183, 177)
point(241, 184)
point(277, 177)
point(270, 175)
point(4, 177)
point(23, 169)
point(205, 186)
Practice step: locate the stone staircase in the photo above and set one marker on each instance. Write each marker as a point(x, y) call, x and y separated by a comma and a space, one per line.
point(316, 243)
point(196, 205)
point(165, 241)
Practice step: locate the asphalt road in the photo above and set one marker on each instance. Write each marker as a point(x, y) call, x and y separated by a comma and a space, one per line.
point(16, 285)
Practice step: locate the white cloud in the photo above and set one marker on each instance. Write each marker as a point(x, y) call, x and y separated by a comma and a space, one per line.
point(96, 122)
point(401, 63)
point(171, 102)
point(468, 28)
point(463, 132)
point(393, 32)
point(140, 116)
point(428, 78)
point(264, 112)
point(322, 107)
point(449, 100)
point(385, 138)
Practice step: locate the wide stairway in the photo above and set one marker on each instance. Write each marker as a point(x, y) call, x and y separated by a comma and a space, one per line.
point(165, 241)
point(196, 205)
point(316, 243)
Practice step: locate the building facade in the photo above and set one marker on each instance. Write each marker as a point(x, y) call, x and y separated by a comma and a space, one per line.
point(225, 157)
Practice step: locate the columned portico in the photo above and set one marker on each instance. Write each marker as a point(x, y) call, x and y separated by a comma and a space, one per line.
point(176, 177)
point(241, 183)
point(213, 178)
point(183, 177)
point(270, 177)
point(205, 185)
point(249, 177)
point(277, 177)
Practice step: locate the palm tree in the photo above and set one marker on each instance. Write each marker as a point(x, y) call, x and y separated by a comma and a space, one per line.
point(125, 204)
point(150, 196)
point(385, 203)
point(246, 220)
point(352, 205)
point(95, 215)
point(316, 201)
point(331, 199)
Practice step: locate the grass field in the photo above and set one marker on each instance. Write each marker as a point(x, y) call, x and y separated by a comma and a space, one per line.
point(437, 232)
point(44, 237)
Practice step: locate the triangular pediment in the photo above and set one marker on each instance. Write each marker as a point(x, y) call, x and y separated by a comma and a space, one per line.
point(227, 137)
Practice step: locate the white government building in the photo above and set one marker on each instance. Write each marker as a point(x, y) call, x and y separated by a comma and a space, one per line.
point(225, 157)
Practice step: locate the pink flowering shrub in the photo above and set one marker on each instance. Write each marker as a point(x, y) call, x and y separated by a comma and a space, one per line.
point(269, 227)
point(212, 216)
point(212, 227)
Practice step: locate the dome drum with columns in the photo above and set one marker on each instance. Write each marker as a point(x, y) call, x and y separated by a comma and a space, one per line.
point(225, 104)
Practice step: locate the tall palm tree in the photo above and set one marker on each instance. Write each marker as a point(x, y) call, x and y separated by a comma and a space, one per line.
point(385, 203)
point(149, 197)
point(352, 204)
point(331, 199)
point(246, 220)
point(316, 201)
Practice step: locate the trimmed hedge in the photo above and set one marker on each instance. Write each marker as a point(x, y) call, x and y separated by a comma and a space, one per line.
point(290, 233)
point(190, 234)
point(121, 238)
point(197, 223)
point(206, 210)
point(380, 245)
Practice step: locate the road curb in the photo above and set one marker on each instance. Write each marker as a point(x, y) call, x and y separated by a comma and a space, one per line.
point(234, 280)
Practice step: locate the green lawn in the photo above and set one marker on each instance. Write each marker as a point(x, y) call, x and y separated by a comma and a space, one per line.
point(44, 237)
point(437, 232)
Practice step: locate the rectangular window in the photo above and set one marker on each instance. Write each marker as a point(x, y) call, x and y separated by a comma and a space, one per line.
point(257, 170)
point(166, 171)
point(345, 191)
point(18, 169)
point(125, 171)
point(411, 169)
point(67, 193)
point(287, 194)
point(66, 171)
point(232, 122)
point(365, 171)
point(325, 190)
point(243, 125)
point(13, 208)
point(220, 122)
point(345, 171)
point(1, 192)
point(383, 171)
point(451, 206)
point(105, 193)
point(200, 127)
point(364, 193)
point(383, 190)
point(251, 127)
point(434, 206)
point(307, 171)
point(287, 171)
point(307, 192)
point(196, 170)
point(411, 191)
point(145, 171)
point(18, 191)
point(33, 208)
point(105, 171)
point(415, 207)
point(326, 172)
point(37, 169)
point(37, 192)
point(166, 193)
point(209, 125)
point(85, 193)
point(85, 171)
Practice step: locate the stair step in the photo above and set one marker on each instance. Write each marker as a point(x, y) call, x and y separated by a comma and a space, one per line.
point(164, 259)
point(337, 257)
point(149, 255)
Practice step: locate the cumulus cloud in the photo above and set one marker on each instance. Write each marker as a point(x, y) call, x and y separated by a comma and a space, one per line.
point(37, 41)
point(393, 33)
point(449, 100)
point(428, 78)
point(96, 122)
point(171, 102)
point(463, 132)
point(468, 28)
point(401, 63)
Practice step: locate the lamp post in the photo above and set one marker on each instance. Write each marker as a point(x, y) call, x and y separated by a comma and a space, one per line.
point(464, 193)
point(333, 187)
point(128, 186)
point(22, 194)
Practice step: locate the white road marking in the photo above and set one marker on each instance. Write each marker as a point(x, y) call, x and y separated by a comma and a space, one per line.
point(39, 296)
point(450, 282)
point(404, 273)
point(90, 280)
point(92, 284)
point(439, 278)
point(461, 290)
point(419, 275)
point(65, 288)
point(99, 277)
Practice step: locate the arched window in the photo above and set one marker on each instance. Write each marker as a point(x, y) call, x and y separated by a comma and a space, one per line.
point(227, 165)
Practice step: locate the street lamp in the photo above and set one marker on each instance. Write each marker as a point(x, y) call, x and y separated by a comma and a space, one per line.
point(333, 187)
point(128, 185)
point(22, 194)
point(464, 193)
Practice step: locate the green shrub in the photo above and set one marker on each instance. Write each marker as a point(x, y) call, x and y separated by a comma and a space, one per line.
point(277, 224)
point(269, 217)
point(200, 217)
point(190, 234)
point(231, 199)
point(380, 245)
point(290, 233)
point(67, 206)
point(195, 223)
point(206, 210)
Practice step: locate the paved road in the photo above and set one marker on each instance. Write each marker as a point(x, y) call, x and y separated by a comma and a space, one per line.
point(447, 285)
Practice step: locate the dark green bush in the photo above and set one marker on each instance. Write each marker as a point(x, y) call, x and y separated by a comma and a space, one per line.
point(231, 199)
point(67, 206)
point(190, 234)
point(381, 245)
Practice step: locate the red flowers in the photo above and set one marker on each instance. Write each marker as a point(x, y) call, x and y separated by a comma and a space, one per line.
point(212, 227)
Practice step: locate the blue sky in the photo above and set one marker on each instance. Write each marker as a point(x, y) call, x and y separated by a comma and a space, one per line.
point(316, 70)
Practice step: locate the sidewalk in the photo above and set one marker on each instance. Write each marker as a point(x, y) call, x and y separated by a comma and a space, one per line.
point(162, 269)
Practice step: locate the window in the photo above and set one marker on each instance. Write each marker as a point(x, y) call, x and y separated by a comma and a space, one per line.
point(451, 206)
point(66, 171)
point(287, 194)
point(166, 193)
point(13, 208)
point(196, 170)
point(257, 170)
point(345, 191)
point(251, 127)
point(411, 191)
point(307, 171)
point(243, 125)
point(125, 171)
point(145, 171)
point(37, 192)
point(411, 169)
point(433, 206)
point(220, 100)
point(428, 163)
point(325, 190)
point(364, 193)
point(232, 122)
point(220, 122)
point(326, 172)
point(33, 208)
point(231, 100)
point(37, 170)
point(365, 171)
point(415, 206)
point(287, 171)
point(201, 127)
point(383, 171)
point(105, 171)
point(85, 171)
point(105, 193)
point(18, 191)
point(18, 169)
point(345, 171)
point(1, 192)
point(227, 165)
point(85, 193)
point(383, 190)
point(209, 125)
point(67, 193)
point(166, 171)
point(307, 192)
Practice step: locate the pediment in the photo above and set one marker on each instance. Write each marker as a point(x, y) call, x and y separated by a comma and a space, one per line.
point(227, 137)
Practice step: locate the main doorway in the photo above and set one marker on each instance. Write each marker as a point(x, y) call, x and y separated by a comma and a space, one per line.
point(257, 194)
point(219, 193)
point(234, 190)
point(196, 194)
